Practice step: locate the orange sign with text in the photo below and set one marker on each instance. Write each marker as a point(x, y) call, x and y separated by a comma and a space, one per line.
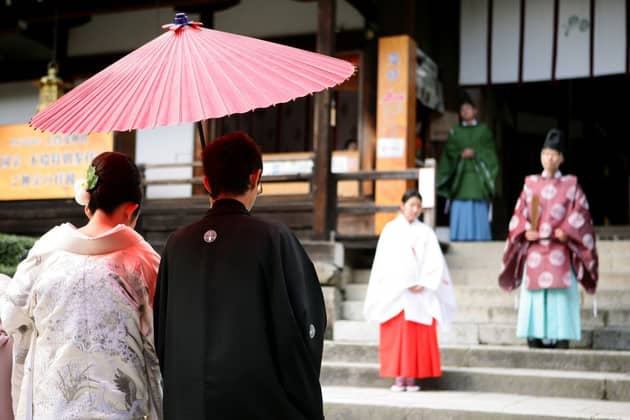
point(36, 165)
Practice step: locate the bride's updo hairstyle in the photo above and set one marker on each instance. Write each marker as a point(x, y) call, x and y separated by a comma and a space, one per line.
point(119, 181)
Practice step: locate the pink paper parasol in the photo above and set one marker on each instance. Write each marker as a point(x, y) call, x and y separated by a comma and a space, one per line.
point(190, 74)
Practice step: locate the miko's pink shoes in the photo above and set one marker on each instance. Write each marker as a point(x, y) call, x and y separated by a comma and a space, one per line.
point(405, 384)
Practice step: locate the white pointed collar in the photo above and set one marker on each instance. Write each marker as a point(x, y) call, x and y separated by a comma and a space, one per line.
point(546, 175)
point(472, 123)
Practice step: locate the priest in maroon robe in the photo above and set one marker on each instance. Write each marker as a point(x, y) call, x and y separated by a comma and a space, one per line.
point(239, 312)
point(550, 248)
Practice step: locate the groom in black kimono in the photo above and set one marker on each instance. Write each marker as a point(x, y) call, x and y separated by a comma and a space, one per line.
point(239, 312)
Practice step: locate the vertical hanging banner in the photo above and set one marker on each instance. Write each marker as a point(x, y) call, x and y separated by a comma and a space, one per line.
point(395, 119)
point(36, 165)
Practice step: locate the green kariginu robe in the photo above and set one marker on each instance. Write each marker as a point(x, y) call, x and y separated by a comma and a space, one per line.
point(468, 179)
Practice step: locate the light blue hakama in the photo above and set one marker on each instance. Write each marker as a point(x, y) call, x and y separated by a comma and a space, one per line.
point(550, 313)
point(469, 220)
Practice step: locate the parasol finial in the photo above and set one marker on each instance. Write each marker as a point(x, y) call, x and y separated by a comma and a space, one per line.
point(179, 21)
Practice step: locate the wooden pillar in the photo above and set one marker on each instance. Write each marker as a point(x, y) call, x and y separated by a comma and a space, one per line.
point(324, 189)
point(367, 113)
point(125, 142)
point(395, 119)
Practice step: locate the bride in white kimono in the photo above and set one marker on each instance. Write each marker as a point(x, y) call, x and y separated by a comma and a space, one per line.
point(409, 293)
point(6, 361)
point(79, 309)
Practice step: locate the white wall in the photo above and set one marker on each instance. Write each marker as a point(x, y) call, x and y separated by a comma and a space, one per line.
point(473, 42)
point(172, 144)
point(573, 40)
point(538, 43)
point(610, 37)
point(18, 102)
point(506, 16)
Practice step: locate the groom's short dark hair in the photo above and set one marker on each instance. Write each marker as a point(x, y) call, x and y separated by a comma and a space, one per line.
point(228, 161)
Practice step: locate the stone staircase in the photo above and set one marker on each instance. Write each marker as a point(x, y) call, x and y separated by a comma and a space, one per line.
point(487, 314)
point(487, 371)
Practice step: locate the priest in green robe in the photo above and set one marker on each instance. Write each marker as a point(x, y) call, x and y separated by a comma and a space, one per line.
point(466, 176)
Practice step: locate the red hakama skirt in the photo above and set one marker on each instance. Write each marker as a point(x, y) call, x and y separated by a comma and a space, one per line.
point(408, 349)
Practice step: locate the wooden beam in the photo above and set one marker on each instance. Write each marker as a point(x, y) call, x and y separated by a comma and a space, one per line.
point(408, 174)
point(33, 12)
point(324, 188)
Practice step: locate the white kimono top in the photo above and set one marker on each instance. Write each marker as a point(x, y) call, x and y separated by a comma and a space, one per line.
point(408, 254)
point(80, 312)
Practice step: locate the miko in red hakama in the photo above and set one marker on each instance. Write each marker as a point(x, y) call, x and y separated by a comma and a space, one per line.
point(408, 349)
point(408, 255)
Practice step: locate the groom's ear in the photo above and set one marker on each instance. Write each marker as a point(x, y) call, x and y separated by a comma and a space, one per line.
point(206, 184)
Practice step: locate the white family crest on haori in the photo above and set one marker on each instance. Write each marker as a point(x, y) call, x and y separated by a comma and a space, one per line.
point(408, 254)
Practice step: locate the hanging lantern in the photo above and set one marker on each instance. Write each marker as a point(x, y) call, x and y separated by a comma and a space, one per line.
point(50, 87)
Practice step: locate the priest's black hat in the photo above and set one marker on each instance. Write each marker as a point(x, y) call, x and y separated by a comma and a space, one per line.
point(465, 99)
point(555, 140)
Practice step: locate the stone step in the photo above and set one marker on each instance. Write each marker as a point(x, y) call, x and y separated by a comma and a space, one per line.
point(488, 277)
point(613, 255)
point(617, 338)
point(605, 249)
point(610, 338)
point(492, 261)
point(362, 403)
point(536, 382)
point(496, 356)
point(355, 291)
point(356, 331)
point(614, 247)
point(496, 297)
point(352, 310)
point(360, 276)
point(460, 333)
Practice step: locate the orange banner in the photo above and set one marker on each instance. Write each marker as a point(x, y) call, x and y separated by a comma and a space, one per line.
point(36, 165)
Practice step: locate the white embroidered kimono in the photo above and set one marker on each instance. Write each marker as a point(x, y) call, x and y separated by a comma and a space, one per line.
point(6, 361)
point(409, 254)
point(80, 312)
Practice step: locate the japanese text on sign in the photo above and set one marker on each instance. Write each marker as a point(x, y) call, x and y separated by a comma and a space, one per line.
point(35, 165)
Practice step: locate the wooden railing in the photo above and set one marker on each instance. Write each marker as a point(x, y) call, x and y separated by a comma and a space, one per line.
point(368, 175)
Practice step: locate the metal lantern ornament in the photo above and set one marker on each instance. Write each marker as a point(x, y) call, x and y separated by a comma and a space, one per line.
point(50, 87)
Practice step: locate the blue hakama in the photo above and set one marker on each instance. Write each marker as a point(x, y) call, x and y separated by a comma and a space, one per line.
point(550, 313)
point(469, 220)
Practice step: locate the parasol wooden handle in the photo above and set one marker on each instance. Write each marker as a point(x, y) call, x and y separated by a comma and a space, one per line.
point(533, 211)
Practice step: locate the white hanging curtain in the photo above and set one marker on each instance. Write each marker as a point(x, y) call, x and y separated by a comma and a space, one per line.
point(510, 41)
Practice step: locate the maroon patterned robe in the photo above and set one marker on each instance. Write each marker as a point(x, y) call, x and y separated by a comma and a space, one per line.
point(547, 262)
